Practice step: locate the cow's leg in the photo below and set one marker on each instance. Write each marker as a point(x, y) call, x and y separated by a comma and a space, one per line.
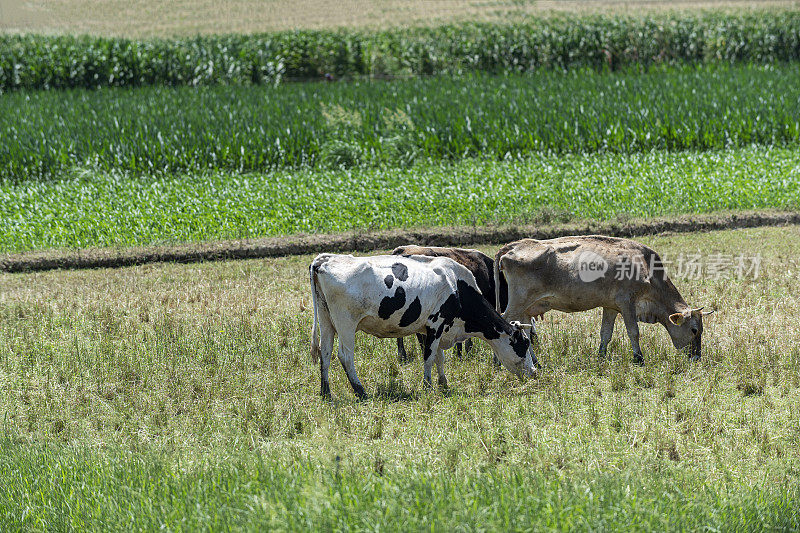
point(440, 368)
point(429, 353)
point(402, 356)
point(421, 340)
point(326, 349)
point(347, 344)
point(629, 316)
point(467, 346)
point(326, 334)
point(534, 338)
point(607, 329)
point(458, 350)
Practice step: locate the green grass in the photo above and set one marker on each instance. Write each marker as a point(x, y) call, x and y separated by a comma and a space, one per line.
point(241, 129)
point(183, 396)
point(84, 489)
point(87, 209)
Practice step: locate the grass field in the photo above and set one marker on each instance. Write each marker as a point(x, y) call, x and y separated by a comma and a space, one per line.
point(86, 209)
point(183, 396)
point(186, 17)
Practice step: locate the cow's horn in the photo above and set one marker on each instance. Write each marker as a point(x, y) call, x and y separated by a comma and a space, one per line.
point(520, 324)
point(705, 313)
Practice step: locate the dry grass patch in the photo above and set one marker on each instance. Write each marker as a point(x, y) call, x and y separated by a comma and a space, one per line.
point(138, 18)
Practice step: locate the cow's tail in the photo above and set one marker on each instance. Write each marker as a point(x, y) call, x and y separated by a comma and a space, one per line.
point(315, 342)
point(498, 275)
point(497, 284)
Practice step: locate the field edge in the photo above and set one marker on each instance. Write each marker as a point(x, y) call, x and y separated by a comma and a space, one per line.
point(302, 244)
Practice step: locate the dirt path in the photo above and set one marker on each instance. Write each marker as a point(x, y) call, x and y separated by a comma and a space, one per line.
point(381, 240)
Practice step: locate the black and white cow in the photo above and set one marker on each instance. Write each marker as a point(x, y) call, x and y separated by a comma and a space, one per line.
point(479, 264)
point(394, 296)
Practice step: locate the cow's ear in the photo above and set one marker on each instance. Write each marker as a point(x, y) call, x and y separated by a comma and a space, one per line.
point(677, 318)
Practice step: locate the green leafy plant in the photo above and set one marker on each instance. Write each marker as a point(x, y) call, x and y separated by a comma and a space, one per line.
point(155, 130)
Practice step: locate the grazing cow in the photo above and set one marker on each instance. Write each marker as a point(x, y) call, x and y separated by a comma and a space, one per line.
point(580, 273)
point(481, 266)
point(394, 296)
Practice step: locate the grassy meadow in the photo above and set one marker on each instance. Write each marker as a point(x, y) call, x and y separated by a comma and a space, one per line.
point(183, 397)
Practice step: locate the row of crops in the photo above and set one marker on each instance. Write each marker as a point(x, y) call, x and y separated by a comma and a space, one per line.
point(85, 209)
point(165, 130)
point(114, 141)
point(596, 42)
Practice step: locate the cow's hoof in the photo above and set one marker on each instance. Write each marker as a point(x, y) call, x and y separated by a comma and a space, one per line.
point(638, 359)
point(325, 391)
point(443, 383)
point(361, 394)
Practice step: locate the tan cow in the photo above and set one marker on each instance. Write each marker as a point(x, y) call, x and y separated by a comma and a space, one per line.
point(579, 273)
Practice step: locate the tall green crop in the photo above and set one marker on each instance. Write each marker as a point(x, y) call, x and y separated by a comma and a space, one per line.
point(597, 42)
point(161, 130)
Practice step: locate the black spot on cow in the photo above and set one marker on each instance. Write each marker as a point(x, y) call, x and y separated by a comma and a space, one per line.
point(480, 264)
point(412, 313)
point(392, 304)
point(478, 315)
point(388, 280)
point(430, 335)
point(400, 271)
point(447, 313)
point(519, 343)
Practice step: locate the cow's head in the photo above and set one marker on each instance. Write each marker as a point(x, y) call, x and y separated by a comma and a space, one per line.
point(519, 360)
point(686, 329)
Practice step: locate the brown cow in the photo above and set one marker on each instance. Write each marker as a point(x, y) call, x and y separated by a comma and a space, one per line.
point(579, 273)
point(481, 266)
